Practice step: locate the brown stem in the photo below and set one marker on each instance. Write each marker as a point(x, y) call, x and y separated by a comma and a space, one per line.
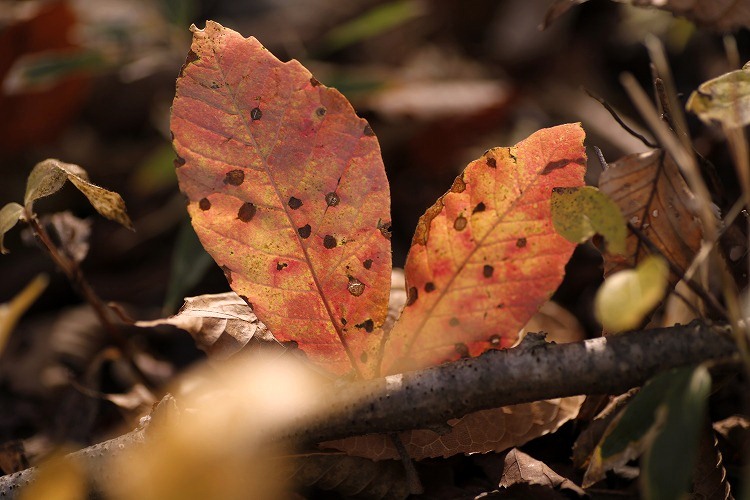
point(80, 283)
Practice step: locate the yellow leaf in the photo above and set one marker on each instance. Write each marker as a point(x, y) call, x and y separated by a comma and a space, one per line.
point(625, 298)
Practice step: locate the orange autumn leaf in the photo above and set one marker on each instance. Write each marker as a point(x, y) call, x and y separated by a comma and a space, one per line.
point(485, 257)
point(288, 193)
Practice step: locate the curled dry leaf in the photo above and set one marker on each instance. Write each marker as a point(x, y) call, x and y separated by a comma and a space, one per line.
point(725, 99)
point(654, 198)
point(288, 193)
point(518, 468)
point(220, 324)
point(10, 214)
point(485, 257)
point(72, 234)
point(49, 176)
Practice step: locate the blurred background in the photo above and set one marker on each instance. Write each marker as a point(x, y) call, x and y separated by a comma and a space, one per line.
point(91, 82)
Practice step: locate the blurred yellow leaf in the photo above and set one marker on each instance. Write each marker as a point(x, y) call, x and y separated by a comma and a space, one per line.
point(11, 312)
point(58, 478)
point(626, 297)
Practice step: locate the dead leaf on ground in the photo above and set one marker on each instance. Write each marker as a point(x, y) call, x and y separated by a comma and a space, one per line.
point(221, 324)
point(653, 197)
point(718, 15)
point(518, 468)
point(480, 432)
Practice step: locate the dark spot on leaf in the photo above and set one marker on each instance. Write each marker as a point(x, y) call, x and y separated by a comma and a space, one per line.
point(343, 321)
point(256, 114)
point(491, 162)
point(321, 111)
point(234, 177)
point(214, 85)
point(332, 199)
point(227, 273)
point(500, 305)
point(246, 212)
point(367, 324)
point(494, 340)
point(411, 296)
point(460, 223)
point(294, 203)
point(247, 301)
point(179, 161)
point(204, 204)
point(367, 263)
point(314, 81)
point(459, 186)
point(429, 287)
point(355, 286)
point(487, 271)
point(290, 344)
point(304, 231)
point(454, 322)
point(368, 130)
point(554, 165)
point(329, 241)
point(461, 349)
point(363, 357)
point(385, 228)
point(521, 242)
point(281, 265)
point(479, 208)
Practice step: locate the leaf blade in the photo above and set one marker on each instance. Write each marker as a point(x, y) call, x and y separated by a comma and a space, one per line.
point(287, 192)
point(496, 223)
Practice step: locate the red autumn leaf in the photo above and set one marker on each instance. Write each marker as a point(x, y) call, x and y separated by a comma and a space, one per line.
point(485, 257)
point(288, 193)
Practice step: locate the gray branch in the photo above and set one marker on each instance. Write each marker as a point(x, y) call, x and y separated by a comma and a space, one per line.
point(535, 370)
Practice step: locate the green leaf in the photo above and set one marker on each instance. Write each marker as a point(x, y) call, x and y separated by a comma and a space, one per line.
point(626, 297)
point(666, 409)
point(581, 212)
point(372, 23)
point(189, 264)
point(725, 99)
point(9, 216)
point(669, 461)
point(49, 176)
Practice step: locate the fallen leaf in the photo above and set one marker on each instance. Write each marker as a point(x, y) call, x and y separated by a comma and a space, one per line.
point(520, 468)
point(288, 193)
point(559, 324)
point(71, 234)
point(10, 214)
point(48, 176)
point(718, 15)
point(626, 297)
point(480, 432)
point(725, 99)
point(654, 198)
point(485, 257)
point(582, 212)
point(221, 324)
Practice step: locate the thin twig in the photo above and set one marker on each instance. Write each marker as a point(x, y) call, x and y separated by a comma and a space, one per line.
point(619, 120)
point(73, 272)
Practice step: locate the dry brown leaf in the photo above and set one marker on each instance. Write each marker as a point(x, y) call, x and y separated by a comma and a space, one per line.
point(709, 475)
point(654, 197)
point(719, 15)
point(72, 234)
point(221, 324)
point(480, 432)
point(519, 468)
